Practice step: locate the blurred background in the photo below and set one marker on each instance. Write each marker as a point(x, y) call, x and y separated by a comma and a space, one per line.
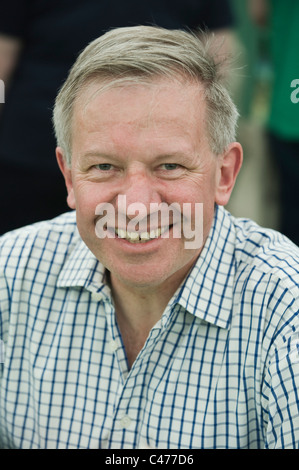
point(39, 40)
point(267, 61)
point(256, 194)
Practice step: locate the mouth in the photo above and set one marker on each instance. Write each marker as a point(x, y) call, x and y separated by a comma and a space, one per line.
point(143, 237)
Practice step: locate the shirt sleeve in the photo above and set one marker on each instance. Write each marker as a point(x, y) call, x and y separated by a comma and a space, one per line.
point(14, 17)
point(281, 397)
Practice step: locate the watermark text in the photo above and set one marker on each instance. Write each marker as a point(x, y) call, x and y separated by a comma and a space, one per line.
point(135, 223)
point(295, 93)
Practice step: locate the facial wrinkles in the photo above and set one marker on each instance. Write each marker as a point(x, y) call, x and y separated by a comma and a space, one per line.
point(152, 106)
point(144, 136)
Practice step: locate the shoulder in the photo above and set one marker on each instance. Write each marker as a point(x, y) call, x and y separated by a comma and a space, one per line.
point(37, 244)
point(267, 268)
point(265, 249)
point(266, 287)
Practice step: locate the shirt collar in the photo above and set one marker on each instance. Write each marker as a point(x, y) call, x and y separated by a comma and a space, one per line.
point(82, 269)
point(207, 291)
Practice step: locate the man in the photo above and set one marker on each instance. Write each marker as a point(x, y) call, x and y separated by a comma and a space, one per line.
point(136, 326)
point(39, 42)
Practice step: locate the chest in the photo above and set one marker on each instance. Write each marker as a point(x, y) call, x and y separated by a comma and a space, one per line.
point(186, 389)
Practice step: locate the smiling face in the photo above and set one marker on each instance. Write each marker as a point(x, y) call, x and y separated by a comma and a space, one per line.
point(147, 142)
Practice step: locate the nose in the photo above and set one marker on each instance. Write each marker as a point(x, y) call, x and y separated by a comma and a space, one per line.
point(139, 191)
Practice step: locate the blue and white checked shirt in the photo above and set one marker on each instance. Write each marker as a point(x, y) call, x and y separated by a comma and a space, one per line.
point(219, 370)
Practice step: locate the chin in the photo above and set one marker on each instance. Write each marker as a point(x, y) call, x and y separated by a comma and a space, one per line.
point(140, 280)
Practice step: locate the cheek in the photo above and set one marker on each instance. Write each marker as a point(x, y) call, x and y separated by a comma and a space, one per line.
point(87, 196)
point(200, 195)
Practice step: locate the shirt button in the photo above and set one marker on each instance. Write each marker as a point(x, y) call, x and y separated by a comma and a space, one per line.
point(97, 296)
point(125, 421)
point(112, 346)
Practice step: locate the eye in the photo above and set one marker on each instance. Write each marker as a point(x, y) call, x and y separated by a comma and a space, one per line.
point(170, 166)
point(170, 170)
point(104, 166)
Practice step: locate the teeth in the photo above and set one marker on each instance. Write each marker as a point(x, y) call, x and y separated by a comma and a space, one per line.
point(132, 236)
point(121, 233)
point(135, 237)
point(145, 236)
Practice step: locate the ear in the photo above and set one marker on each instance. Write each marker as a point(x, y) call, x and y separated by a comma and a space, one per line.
point(229, 166)
point(67, 174)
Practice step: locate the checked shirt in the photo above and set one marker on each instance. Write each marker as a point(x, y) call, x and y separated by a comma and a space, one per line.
point(219, 370)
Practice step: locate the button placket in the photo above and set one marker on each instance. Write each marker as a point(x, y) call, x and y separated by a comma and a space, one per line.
point(127, 407)
point(113, 346)
point(125, 421)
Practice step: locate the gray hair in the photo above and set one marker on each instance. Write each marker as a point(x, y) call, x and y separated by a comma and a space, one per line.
point(143, 53)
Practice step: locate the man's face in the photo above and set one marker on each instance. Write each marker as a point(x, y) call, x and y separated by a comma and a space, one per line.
point(147, 143)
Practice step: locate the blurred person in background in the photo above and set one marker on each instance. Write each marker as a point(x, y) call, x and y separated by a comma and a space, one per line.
point(39, 41)
point(283, 125)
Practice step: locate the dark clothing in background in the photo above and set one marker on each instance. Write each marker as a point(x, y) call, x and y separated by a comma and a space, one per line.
point(53, 32)
point(286, 155)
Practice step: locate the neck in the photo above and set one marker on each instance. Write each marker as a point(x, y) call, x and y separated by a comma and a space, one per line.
point(140, 308)
point(137, 311)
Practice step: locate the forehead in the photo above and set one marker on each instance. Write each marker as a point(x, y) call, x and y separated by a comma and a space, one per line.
point(153, 111)
point(146, 95)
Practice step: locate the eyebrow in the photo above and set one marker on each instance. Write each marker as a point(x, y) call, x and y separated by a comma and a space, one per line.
point(181, 157)
point(177, 155)
point(91, 154)
point(96, 153)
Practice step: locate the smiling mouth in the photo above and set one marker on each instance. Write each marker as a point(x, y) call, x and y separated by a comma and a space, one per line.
point(144, 237)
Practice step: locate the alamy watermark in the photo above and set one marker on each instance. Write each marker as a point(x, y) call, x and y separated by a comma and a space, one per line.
point(295, 94)
point(161, 221)
point(2, 92)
